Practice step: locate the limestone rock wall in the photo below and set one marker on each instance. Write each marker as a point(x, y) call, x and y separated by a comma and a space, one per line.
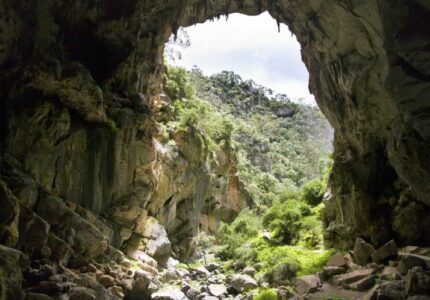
point(80, 84)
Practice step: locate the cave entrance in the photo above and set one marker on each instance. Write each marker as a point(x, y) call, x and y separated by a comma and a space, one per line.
point(247, 71)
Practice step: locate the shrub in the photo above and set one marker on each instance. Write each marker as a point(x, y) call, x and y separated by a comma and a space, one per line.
point(310, 231)
point(266, 294)
point(312, 192)
point(284, 220)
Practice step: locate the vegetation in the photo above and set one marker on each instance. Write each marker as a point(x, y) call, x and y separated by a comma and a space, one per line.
point(266, 294)
point(282, 150)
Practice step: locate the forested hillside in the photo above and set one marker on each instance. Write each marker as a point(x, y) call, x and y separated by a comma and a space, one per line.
point(281, 145)
point(282, 150)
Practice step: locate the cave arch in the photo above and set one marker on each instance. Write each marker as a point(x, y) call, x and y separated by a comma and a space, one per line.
point(352, 54)
point(369, 71)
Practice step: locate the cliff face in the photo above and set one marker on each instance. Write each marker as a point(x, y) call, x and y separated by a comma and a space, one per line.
point(80, 86)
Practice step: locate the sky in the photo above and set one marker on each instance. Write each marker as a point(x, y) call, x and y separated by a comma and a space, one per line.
point(252, 47)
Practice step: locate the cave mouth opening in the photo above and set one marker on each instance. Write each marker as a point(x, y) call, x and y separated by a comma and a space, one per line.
point(249, 70)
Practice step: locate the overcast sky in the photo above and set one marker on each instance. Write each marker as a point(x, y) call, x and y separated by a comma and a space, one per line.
point(252, 47)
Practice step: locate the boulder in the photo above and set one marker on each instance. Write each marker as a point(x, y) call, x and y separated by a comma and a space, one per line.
point(284, 293)
point(390, 273)
point(362, 252)
point(9, 217)
point(307, 284)
point(337, 260)
point(82, 236)
point(141, 286)
point(36, 296)
point(116, 291)
point(212, 266)
point(189, 291)
point(107, 281)
point(60, 250)
point(159, 247)
point(417, 281)
point(200, 271)
point(391, 290)
point(408, 262)
point(331, 271)
point(249, 271)
point(242, 282)
point(34, 233)
point(81, 293)
point(217, 290)
point(206, 297)
point(386, 251)
point(170, 293)
point(363, 284)
point(143, 257)
point(12, 263)
point(353, 276)
point(172, 274)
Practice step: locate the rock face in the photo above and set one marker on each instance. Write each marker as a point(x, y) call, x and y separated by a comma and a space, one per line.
point(80, 93)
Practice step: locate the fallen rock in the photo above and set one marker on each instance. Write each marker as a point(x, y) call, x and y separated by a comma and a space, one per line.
point(140, 286)
point(116, 291)
point(207, 297)
point(362, 252)
point(353, 276)
point(408, 262)
point(159, 247)
point(36, 296)
point(12, 263)
point(189, 291)
point(217, 289)
point(386, 251)
point(307, 284)
point(143, 257)
point(107, 281)
point(363, 284)
point(172, 274)
point(417, 282)
point(200, 271)
point(242, 282)
point(390, 273)
point(249, 271)
point(392, 290)
point(212, 266)
point(169, 293)
point(331, 271)
point(81, 293)
point(9, 216)
point(87, 239)
point(60, 250)
point(337, 260)
point(284, 294)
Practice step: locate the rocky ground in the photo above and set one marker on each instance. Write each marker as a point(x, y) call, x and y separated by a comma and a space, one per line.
point(364, 273)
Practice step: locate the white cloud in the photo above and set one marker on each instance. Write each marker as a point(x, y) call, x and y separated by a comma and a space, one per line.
point(252, 47)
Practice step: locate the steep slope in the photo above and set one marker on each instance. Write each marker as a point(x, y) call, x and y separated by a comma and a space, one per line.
point(281, 145)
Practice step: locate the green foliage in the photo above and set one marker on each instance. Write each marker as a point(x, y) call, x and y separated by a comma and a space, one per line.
point(266, 294)
point(313, 191)
point(177, 84)
point(192, 112)
point(232, 236)
point(282, 155)
point(285, 220)
point(276, 152)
